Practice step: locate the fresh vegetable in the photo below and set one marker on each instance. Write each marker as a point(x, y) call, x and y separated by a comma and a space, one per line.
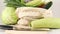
point(35, 3)
point(46, 23)
point(14, 3)
point(28, 3)
point(33, 12)
point(11, 7)
point(9, 16)
point(22, 1)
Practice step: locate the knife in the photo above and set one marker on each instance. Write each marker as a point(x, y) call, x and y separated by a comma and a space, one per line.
point(7, 27)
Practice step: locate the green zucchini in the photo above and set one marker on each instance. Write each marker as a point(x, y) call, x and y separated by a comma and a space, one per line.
point(46, 23)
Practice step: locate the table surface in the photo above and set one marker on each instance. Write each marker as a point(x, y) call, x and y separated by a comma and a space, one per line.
point(53, 31)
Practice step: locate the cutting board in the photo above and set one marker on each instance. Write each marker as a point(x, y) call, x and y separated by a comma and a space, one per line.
point(25, 32)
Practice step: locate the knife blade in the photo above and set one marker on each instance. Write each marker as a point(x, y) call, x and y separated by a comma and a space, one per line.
point(6, 27)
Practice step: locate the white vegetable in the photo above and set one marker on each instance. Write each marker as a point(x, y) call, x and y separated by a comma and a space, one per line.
point(33, 12)
point(23, 22)
point(47, 14)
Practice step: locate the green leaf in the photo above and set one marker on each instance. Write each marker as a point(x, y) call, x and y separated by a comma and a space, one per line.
point(14, 3)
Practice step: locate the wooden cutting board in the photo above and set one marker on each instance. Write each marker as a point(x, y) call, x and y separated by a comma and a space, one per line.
point(25, 32)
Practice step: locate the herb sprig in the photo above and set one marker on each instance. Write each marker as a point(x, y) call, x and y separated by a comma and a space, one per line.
point(14, 3)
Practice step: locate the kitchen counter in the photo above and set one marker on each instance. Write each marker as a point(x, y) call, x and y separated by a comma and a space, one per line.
point(53, 31)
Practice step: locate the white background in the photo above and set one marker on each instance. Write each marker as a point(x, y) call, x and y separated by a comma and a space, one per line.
point(55, 8)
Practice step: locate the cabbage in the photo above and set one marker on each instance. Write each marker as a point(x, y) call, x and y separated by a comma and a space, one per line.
point(9, 16)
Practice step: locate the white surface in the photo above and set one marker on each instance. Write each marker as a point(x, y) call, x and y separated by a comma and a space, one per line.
point(56, 31)
point(55, 8)
point(25, 32)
